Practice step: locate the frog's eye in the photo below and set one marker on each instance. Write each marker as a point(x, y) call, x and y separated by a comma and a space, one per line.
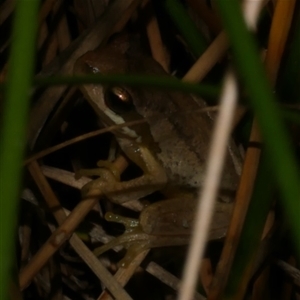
point(118, 99)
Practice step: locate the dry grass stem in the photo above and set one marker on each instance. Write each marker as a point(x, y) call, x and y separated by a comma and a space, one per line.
point(244, 192)
point(280, 28)
point(204, 211)
point(206, 274)
point(47, 192)
point(158, 50)
point(65, 177)
point(80, 138)
point(242, 201)
point(208, 59)
point(55, 241)
point(94, 133)
point(65, 230)
point(251, 162)
point(251, 10)
point(168, 278)
point(290, 271)
point(123, 275)
point(219, 46)
point(97, 267)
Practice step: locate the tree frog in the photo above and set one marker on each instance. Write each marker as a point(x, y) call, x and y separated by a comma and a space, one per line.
point(170, 148)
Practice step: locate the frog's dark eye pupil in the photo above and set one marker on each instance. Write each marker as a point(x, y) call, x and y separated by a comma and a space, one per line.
point(118, 99)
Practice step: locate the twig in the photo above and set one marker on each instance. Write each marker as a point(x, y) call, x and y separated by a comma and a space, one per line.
point(66, 228)
point(208, 59)
point(168, 278)
point(204, 211)
point(124, 274)
point(290, 271)
point(78, 139)
point(158, 50)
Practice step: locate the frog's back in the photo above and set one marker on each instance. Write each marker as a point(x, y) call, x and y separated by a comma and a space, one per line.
point(182, 132)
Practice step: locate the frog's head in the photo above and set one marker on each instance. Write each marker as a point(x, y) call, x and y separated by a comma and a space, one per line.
point(114, 104)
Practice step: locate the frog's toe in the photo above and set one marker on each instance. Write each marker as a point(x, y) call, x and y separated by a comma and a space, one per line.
point(132, 252)
point(129, 223)
point(111, 167)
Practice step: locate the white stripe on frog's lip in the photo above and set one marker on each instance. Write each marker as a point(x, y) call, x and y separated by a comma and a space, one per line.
point(117, 119)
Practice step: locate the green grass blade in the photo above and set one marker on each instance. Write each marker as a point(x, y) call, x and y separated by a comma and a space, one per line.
point(14, 129)
point(277, 144)
point(134, 80)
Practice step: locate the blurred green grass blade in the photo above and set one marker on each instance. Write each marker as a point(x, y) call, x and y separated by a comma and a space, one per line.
point(278, 146)
point(188, 29)
point(13, 132)
point(254, 224)
point(134, 80)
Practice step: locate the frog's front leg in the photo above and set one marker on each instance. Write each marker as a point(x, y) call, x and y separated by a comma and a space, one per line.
point(153, 178)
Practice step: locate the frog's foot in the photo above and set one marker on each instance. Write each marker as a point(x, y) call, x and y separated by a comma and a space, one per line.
point(106, 181)
point(132, 231)
point(134, 242)
point(134, 239)
point(106, 164)
point(133, 251)
point(128, 240)
point(129, 223)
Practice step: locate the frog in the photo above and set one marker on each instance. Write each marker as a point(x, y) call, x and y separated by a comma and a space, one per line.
point(170, 148)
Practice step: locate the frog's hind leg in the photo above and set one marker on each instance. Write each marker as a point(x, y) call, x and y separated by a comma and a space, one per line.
point(135, 242)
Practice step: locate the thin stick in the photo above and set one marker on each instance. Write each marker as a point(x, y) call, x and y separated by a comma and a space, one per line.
point(94, 133)
point(280, 27)
point(208, 59)
point(205, 207)
point(124, 274)
point(290, 271)
point(242, 201)
point(168, 278)
point(78, 139)
point(158, 50)
point(93, 262)
point(66, 228)
point(281, 24)
point(219, 46)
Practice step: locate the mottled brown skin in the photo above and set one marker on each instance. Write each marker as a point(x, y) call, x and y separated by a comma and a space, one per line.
point(171, 148)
